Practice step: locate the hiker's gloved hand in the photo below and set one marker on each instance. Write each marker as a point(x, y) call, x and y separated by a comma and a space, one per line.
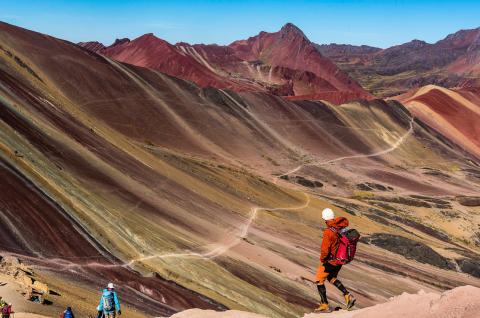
point(119, 312)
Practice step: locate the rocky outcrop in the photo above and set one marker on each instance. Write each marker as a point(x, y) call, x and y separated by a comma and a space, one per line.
point(409, 248)
point(403, 201)
point(32, 289)
point(303, 181)
point(468, 201)
point(470, 266)
point(371, 186)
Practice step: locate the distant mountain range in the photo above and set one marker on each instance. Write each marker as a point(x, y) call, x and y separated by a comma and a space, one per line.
point(286, 63)
point(453, 61)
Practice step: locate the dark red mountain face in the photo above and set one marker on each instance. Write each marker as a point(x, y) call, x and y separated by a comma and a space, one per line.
point(290, 48)
point(283, 63)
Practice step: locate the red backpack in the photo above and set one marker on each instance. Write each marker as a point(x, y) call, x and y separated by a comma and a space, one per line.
point(347, 246)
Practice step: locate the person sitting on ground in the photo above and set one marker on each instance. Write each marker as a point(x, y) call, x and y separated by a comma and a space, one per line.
point(7, 310)
point(327, 270)
point(109, 303)
point(68, 313)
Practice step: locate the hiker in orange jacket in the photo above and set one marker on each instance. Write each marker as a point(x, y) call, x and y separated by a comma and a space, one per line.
point(327, 270)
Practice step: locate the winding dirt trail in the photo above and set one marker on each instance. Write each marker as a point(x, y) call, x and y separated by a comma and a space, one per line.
point(397, 144)
point(64, 264)
point(223, 248)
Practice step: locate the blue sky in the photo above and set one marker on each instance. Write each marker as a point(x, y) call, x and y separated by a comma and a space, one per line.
point(377, 23)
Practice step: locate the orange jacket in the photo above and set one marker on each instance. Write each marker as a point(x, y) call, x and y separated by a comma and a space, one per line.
point(330, 239)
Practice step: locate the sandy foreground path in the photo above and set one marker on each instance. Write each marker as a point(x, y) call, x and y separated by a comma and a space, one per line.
point(460, 302)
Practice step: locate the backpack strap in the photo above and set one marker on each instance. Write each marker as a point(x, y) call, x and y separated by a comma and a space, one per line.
point(334, 230)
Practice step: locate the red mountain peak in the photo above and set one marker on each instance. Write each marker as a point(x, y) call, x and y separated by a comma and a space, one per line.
point(291, 28)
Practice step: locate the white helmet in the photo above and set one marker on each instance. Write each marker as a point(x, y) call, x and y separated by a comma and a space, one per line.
point(327, 214)
point(110, 285)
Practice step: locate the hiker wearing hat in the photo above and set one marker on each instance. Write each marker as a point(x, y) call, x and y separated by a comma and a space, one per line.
point(109, 304)
point(338, 248)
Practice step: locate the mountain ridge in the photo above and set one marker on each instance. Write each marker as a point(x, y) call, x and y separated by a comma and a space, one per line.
point(285, 63)
point(292, 68)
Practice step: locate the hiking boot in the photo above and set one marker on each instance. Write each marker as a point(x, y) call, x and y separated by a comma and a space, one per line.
point(349, 301)
point(323, 308)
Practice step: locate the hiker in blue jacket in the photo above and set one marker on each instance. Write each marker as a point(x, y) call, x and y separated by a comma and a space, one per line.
point(68, 313)
point(109, 303)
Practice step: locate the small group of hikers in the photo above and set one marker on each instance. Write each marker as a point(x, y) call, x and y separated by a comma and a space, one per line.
point(108, 307)
point(5, 308)
point(338, 248)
